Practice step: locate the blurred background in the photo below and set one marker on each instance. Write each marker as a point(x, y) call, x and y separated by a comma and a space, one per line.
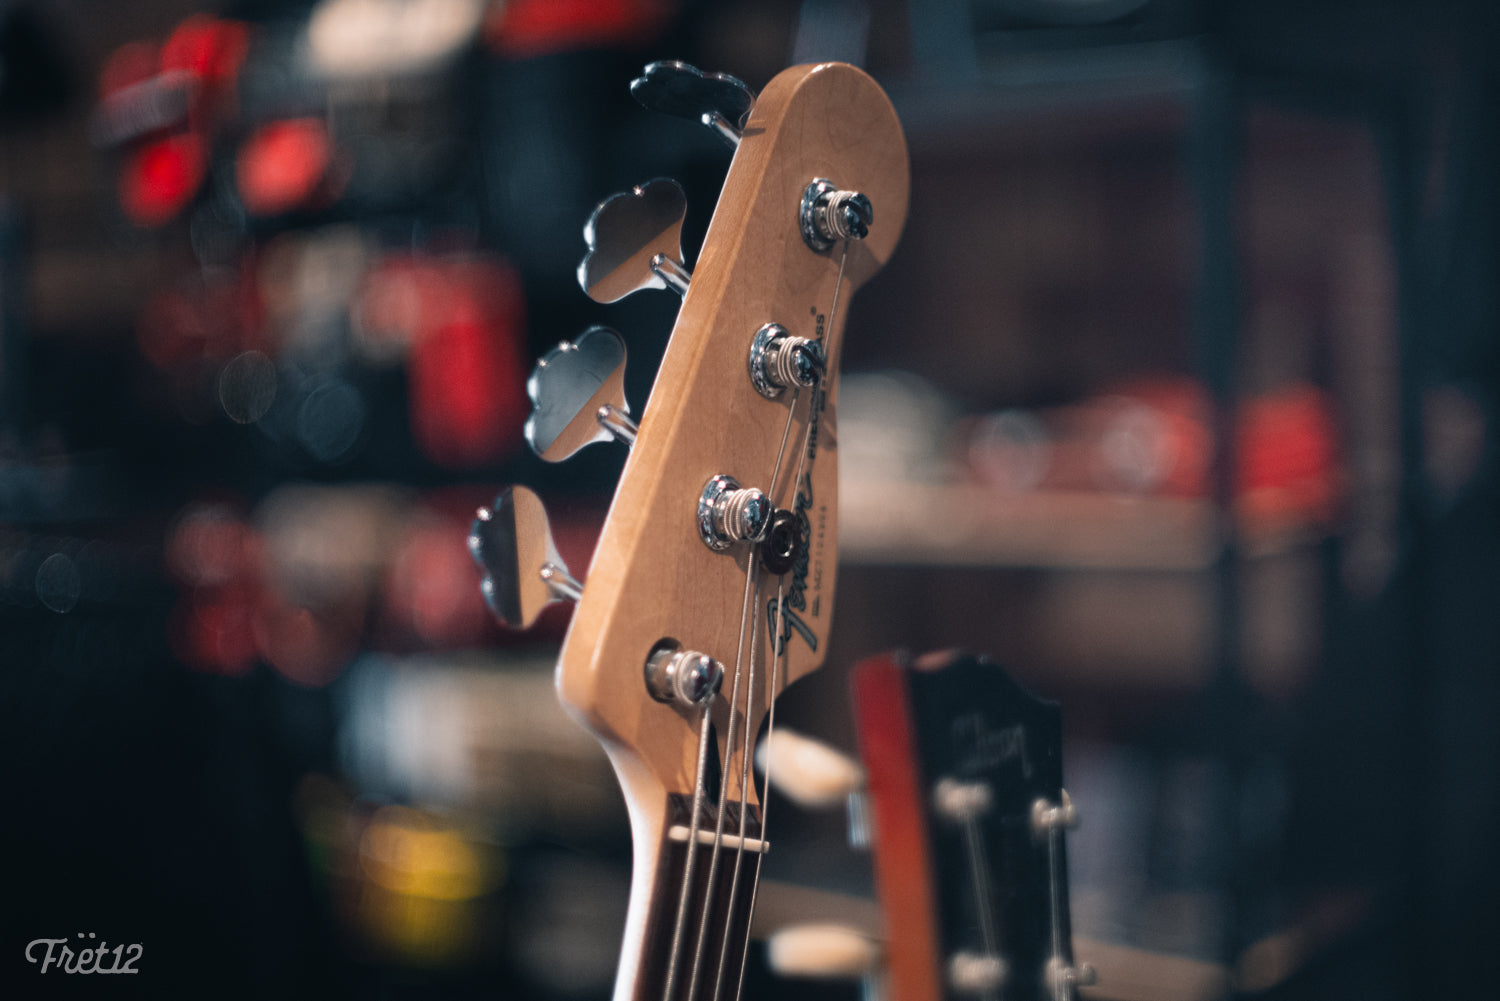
point(1178, 398)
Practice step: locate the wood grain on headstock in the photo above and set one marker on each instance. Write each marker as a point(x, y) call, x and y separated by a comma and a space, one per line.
point(652, 577)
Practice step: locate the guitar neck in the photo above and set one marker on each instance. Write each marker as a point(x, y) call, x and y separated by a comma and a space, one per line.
point(704, 958)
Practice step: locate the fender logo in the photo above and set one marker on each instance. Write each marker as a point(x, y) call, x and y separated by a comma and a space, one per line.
point(782, 618)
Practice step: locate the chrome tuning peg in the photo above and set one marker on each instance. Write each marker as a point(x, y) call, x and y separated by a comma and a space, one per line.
point(816, 776)
point(829, 214)
point(511, 543)
point(823, 952)
point(578, 394)
point(635, 242)
point(718, 100)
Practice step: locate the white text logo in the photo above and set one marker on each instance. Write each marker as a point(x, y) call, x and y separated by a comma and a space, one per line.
point(56, 954)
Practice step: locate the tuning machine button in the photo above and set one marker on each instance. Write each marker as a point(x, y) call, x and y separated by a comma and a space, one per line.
point(635, 242)
point(1048, 817)
point(511, 543)
point(778, 360)
point(718, 100)
point(1064, 978)
point(823, 951)
point(977, 974)
point(961, 802)
point(815, 776)
point(829, 214)
point(578, 395)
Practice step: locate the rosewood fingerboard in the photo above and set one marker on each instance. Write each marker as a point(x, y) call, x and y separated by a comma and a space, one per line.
point(716, 977)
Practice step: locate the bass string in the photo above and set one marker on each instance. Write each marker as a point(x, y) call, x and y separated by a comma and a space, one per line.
point(679, 924)
point(729, 742)
point(830, 358)
point(749, 615)
point(979, 873)
point(777, 672)
point(739, 855)
point(1061, 948)
point(703, 744)
point(745, 758)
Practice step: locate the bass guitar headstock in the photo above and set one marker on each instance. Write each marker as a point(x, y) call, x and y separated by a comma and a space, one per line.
point(712, 584)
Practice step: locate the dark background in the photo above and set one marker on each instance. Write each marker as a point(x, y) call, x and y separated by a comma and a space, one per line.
point(227, 635)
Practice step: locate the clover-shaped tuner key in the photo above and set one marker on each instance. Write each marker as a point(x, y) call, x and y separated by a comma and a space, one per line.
point(578, 393)
point(635, 242)
point(718, 100)
point(512, 544)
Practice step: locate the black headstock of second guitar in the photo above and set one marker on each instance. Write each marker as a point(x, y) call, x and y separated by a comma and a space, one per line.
point(970, 816)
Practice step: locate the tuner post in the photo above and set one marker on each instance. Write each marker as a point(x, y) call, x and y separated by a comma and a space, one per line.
point(728, 513)
point(779, 360)
point(829, 214)
point(683, 678)
point(960, 802)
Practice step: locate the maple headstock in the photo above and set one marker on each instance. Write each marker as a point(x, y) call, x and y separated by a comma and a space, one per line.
point(712, 584)
point(653, 578)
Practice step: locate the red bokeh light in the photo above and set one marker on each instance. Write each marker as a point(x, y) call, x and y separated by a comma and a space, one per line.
point(526, 28)
point(160, 178)
point(283, 165)
point(207, 47)
point(464, 322)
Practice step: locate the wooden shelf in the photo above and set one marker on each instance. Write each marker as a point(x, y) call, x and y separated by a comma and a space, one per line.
point(1125, 973)
point(968, 525)
point(965, 525)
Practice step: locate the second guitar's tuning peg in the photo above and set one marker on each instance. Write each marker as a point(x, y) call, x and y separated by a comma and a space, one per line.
point(635, 242)
point(512, 544)
point(718, 100)
point(823, 952)
point(816, 776)
point(578, 393)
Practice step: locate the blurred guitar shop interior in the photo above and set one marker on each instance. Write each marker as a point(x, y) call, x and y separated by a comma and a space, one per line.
point(1178, 399)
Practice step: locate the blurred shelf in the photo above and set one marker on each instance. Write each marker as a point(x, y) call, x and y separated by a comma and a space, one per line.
point(1125, 973)
point(966, 525)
